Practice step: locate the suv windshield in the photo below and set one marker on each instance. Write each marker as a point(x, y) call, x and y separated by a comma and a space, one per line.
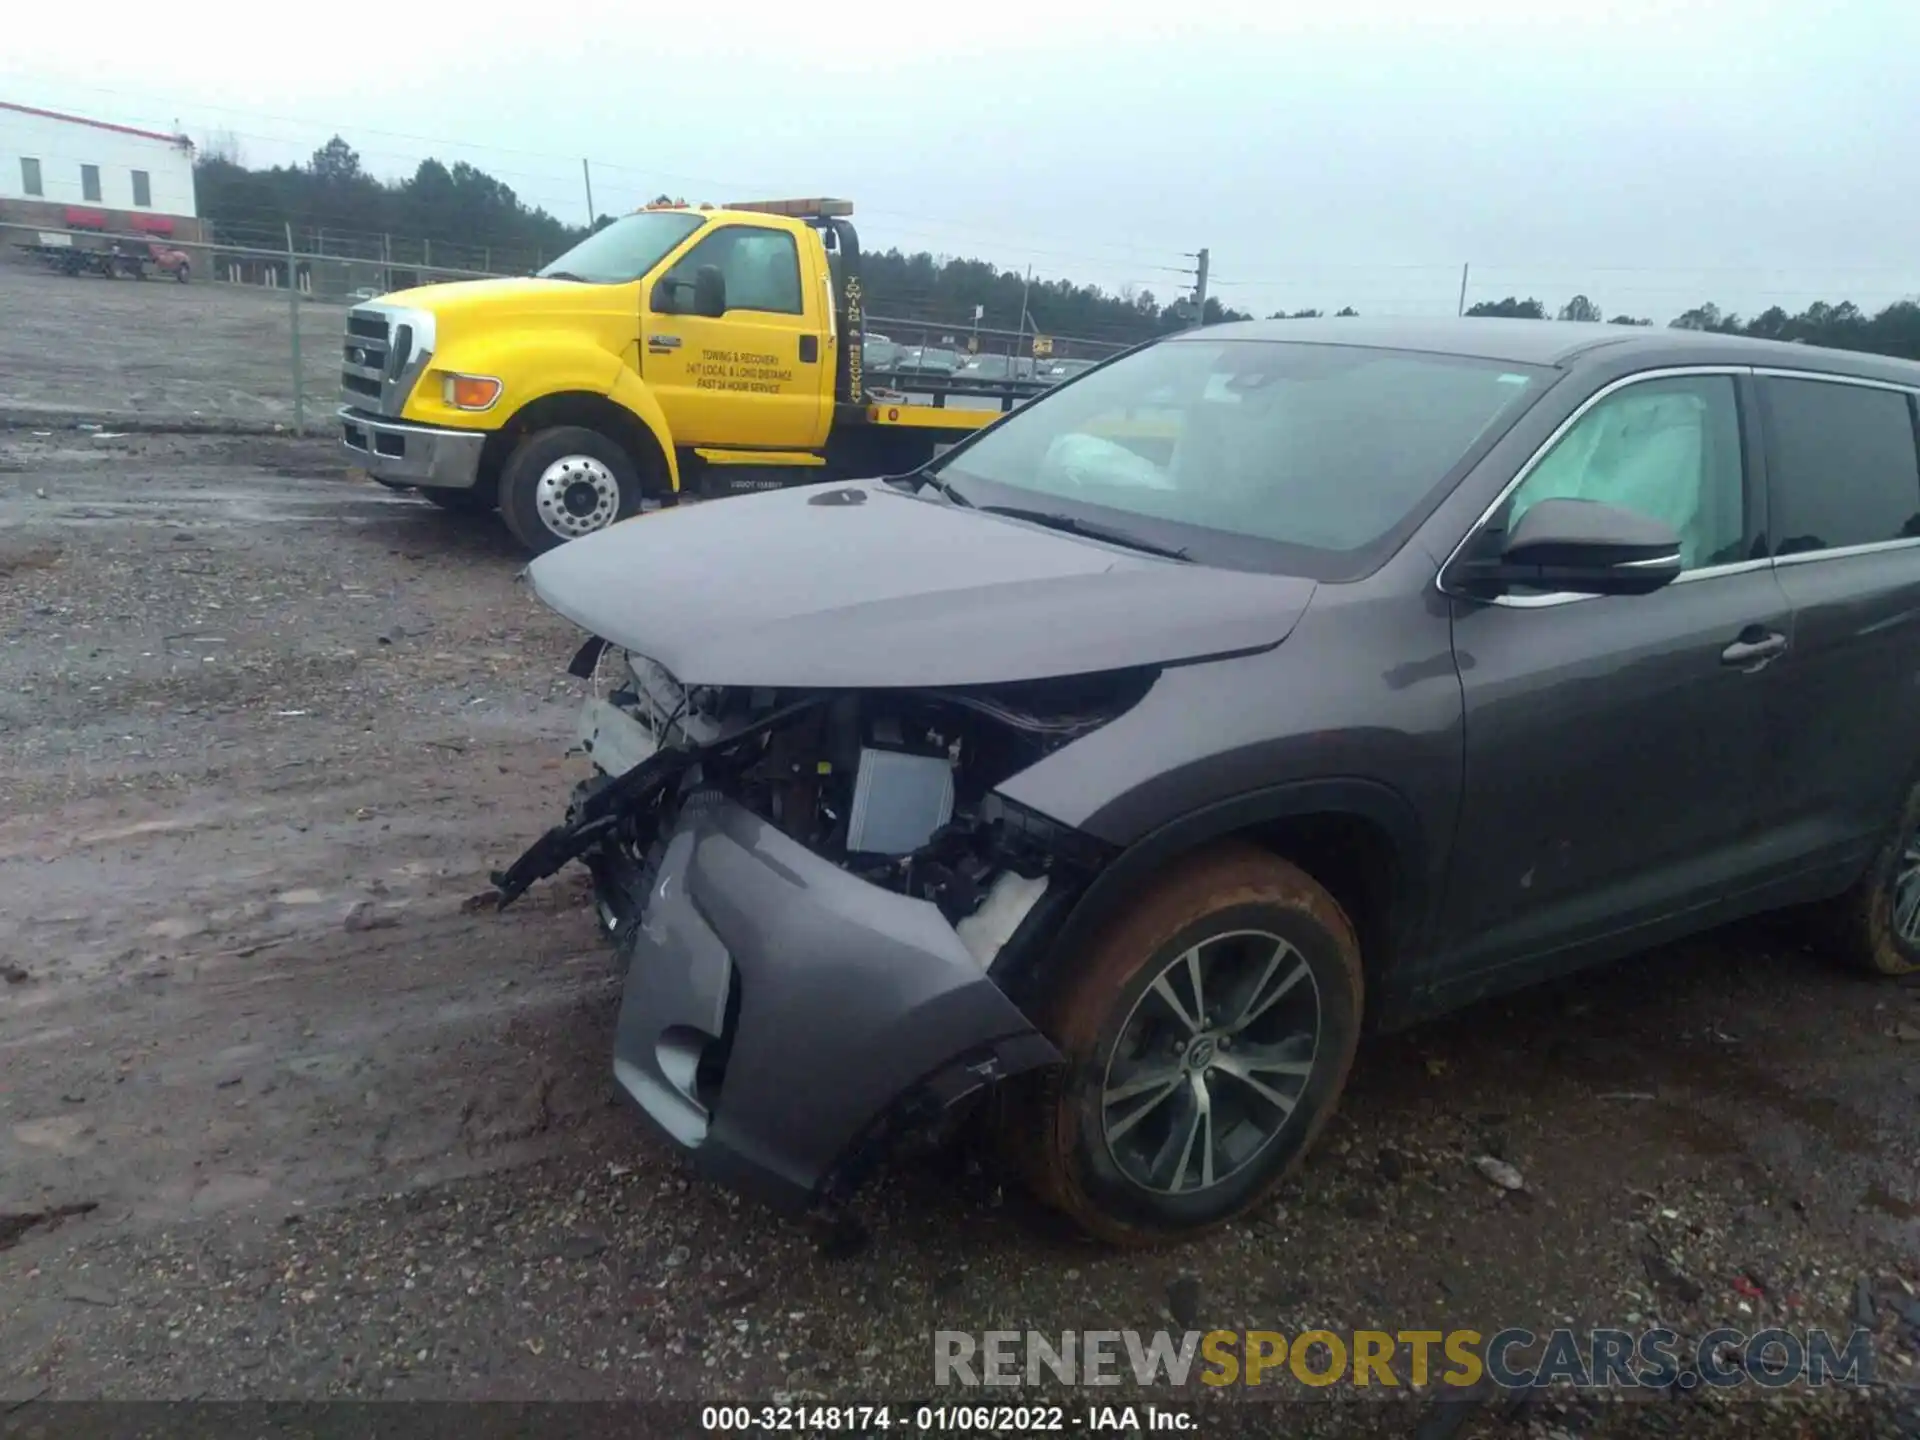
point(626, 249)
point(1251, 453)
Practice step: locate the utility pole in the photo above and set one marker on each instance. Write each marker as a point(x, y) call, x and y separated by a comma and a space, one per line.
point(1200, 287)
point(1020, 332)
point(587, 175)
point(1462, 309)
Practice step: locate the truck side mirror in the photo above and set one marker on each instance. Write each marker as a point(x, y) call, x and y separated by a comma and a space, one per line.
point(664, 299)
point(709, 292)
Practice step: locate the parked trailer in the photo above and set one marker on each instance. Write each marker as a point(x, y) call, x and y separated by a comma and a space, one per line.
point(58, 252)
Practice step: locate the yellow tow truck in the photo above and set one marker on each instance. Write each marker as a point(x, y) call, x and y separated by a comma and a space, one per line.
point(674, 351)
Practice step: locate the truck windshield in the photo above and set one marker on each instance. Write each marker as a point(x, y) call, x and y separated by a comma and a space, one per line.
point(1250, 453)
point(626, 249)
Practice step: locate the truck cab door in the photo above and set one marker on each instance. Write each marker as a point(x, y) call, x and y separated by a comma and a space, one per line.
point(758, 375)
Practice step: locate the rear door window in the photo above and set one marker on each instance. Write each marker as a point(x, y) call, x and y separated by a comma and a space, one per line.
point(1842, 467)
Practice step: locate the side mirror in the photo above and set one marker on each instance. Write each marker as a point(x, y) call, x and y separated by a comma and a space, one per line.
point(1578, 547)
point(665, 298)
point(709, 292)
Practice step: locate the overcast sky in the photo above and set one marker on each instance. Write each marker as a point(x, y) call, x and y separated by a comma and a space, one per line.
point(1652, 155)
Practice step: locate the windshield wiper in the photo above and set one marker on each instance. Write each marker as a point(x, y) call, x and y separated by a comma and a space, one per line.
point(1092, 529)
point(945, 487)
point(924, 478)
point(564, 275)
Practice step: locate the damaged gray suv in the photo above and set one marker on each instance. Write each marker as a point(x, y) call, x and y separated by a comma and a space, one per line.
point(1267, 683)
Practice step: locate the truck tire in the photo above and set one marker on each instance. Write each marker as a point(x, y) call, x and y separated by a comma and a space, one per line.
point(1877, 922)
point(1207, 1036)
point(562, 483)
point(182, 273)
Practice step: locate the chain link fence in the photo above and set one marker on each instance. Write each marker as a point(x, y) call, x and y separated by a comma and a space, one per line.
point(245, 333)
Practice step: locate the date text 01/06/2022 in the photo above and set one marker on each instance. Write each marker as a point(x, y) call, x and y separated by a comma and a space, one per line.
point(962, 1419)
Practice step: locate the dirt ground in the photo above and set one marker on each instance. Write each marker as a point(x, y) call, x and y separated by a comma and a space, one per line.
point(117, 351)
point(286, 1113)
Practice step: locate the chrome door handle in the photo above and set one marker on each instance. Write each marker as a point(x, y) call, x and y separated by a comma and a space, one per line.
point(663, 342)
point(1749, 652)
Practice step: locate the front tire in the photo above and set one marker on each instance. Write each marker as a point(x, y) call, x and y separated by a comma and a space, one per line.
point(1878, 920)
point(1207, 1037)
point(566, 482)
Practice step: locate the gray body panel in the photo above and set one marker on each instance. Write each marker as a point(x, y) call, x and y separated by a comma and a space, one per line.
point(1856, 632)
point(849, 996)
point(897, 591)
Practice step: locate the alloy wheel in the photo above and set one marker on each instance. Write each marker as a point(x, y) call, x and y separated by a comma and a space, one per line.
point(1905, 887)
point(1211, 1062)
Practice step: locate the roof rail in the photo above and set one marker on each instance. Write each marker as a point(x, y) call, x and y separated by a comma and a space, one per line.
point(815, 209)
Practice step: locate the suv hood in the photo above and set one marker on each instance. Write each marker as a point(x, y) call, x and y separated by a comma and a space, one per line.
point(863, 586)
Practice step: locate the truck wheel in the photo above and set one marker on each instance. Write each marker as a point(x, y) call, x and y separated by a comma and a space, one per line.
point(180, 275)
point(566, 482)
point(1207, 1037)
point(1877, 922)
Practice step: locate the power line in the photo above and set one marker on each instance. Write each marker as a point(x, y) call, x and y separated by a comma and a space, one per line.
point(653, 175)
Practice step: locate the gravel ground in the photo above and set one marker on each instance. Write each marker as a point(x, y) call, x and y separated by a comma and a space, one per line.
point(120, 351)
point(284, 1113)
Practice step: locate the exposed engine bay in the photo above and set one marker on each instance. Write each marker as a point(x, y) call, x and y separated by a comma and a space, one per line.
point(893, 786)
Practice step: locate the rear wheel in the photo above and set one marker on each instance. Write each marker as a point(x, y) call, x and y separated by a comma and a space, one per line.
point(181, 274)
point(1206, 1038)
point(1878, 920)
point(563, 483)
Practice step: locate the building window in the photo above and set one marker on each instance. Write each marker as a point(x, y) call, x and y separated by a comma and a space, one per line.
point(90, 182)
point(142, 190)
point(30, 176)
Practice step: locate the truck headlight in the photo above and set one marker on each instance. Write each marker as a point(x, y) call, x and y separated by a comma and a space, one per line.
point(470, 392)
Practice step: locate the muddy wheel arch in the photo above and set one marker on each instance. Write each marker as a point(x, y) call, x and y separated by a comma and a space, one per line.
point(1378, 870)
point(651, 456)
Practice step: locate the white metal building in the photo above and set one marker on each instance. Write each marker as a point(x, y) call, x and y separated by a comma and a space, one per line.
point(64, 160)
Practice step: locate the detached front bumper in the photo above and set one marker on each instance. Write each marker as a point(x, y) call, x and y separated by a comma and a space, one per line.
point(399, 452)
point(781, 1016)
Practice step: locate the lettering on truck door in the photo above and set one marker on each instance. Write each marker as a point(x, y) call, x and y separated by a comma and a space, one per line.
point(759, 375)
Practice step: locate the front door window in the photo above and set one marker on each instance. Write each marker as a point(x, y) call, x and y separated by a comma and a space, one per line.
point(761, 268)
point(1665, 449)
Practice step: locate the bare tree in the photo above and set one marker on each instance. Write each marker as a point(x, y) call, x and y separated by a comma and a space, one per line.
point(222, 145)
